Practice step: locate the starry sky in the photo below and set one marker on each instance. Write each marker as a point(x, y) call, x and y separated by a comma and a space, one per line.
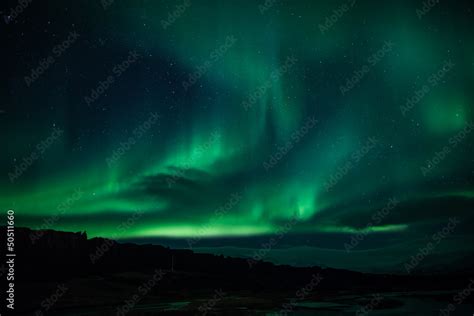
point(227, 120)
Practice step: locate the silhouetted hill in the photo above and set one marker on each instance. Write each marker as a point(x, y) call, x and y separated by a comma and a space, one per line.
point(50, 257)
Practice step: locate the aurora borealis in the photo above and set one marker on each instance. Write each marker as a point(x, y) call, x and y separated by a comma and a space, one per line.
point(235, 117)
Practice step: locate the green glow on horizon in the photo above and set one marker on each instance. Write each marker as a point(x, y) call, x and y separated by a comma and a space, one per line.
point(189, 231)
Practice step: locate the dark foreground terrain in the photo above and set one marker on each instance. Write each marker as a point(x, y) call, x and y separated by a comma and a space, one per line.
point(59, 273)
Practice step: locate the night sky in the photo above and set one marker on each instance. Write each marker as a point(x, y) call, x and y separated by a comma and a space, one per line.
point(231, 119)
